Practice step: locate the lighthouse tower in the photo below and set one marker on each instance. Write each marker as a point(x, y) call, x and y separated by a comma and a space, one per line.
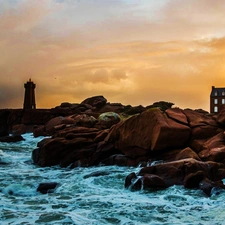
point(29, 97)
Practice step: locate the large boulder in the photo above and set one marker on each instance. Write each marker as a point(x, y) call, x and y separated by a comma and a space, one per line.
point(106, 120)
point(187, 153)
point(214, 148)
point(84, 120)
point(53, 125)
point(151, 130)
point(58, 151)
point(95, 101)
point(203, 126)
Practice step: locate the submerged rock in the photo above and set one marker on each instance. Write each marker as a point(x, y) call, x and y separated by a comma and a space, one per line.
point(12, 138)
point(45, 188)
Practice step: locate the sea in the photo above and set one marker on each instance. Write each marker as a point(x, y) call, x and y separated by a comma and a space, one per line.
point(84, 199)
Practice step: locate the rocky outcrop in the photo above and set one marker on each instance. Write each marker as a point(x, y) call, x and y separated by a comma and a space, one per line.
point(188, 172)
point(174, 146)
point(142, 138)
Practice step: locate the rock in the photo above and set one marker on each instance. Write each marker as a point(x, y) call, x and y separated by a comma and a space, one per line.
point(103, 151)
point(188, 172)
point(132, 182)
point(177, 115)
point(77, 132)
point(82, 149)
point(84, 120)
point(95, 101)
point(197, 144)
point(192, 180)
point(106, 120)
point(221, 117)
point(49, 127)
point(39, 131)
point(214, 142)
point(55, 124)
point(58, 151)
point(101, 135)
point(202, 125)
point(130, 179)
point(45, 188)
point(153, 181)
point(162, 105)
point(132, 110)
point(209, 187)
point(12, 138)
point(152, 130)
point(19, 129)
point(214, 154)
point(112, 107)
point(214, 148)
point(187, 153)
point(65, 105)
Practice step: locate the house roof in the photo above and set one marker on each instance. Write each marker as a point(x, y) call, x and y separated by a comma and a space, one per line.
point(220, 92)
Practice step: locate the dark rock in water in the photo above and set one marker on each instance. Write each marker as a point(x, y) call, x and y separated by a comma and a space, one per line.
point(153, 181)
point(12, 138)
point(45, 188)
point(39, 131)
point(211, 188)
point(188, 172)
point(193, 179)
point(130, 179)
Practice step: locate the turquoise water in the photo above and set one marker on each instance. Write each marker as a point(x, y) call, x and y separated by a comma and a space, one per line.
point(81, 199)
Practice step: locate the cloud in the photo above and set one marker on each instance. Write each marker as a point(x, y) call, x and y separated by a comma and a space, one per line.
point(76, 49)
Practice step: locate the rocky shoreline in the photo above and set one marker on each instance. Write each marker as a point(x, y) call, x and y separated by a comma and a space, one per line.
point(172, 145)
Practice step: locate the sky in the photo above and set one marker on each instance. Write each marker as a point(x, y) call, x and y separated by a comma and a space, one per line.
point(134, 52)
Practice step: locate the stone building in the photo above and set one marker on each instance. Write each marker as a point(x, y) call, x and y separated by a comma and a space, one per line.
point(217, 99)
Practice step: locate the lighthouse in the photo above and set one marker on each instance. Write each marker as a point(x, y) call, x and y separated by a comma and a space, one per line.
point(29, 96)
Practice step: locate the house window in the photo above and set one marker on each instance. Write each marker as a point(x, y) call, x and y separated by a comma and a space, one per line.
point(223, 101)
point(215, 101)
point(215, 109)
point(215, 93)
point(223, 93)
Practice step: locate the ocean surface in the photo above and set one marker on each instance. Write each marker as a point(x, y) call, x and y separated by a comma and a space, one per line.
point(82, 199)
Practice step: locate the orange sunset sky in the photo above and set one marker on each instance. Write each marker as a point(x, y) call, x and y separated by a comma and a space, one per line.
point(130, 51)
